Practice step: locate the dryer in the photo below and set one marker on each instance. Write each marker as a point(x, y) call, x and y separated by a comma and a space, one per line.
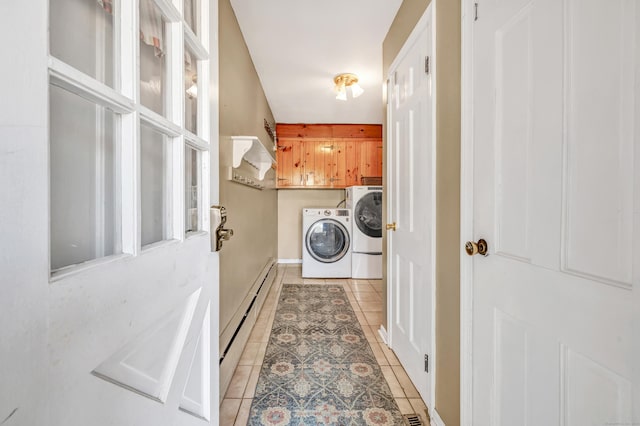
point(326, 243)
point(365, 204)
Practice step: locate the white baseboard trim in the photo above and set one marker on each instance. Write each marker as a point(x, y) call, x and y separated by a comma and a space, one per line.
point(436, 420)
point(289, 260)
point(383, 333)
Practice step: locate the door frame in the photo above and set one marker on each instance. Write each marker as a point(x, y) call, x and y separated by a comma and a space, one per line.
point(466, 213)
point(429, 13)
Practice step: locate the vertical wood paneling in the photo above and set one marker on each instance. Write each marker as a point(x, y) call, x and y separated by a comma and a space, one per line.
point(289, 162)
point(377, 158)
point(356, 131)
point(326, 153)
point(297, 170)
point(352, 155)
point(310, 169)
point(363, 162)
point(370, 162)
point(339, 158)
point(285, 162)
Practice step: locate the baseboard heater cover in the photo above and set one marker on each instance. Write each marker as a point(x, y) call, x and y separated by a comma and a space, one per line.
point(267, 276)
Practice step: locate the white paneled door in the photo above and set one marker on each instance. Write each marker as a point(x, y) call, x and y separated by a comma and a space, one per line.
point(555, 195)
point(410, 207)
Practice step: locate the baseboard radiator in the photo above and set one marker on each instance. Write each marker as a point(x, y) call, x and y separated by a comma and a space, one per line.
point(235, 335)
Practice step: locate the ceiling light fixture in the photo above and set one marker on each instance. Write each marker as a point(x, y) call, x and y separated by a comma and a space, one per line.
point(347, 83)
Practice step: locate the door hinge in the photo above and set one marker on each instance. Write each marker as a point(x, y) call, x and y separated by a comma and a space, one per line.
point(426, 363)
point(426, 65)
point(475, 11)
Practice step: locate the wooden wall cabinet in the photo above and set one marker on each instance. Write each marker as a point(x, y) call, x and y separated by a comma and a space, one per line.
point(326, 155)
point(290, 163)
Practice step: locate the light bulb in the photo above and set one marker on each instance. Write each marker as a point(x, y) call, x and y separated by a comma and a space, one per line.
point(356, 90)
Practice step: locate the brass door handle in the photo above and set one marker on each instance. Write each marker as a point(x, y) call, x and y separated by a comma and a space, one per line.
point(392, 226)
point(481, 247)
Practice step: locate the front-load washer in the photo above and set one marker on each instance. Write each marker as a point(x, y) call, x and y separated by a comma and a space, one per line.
point(326, 243)
point(365, 204)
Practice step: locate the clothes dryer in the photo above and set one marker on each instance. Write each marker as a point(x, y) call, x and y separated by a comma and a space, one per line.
point(326, 243)
point(365, 204)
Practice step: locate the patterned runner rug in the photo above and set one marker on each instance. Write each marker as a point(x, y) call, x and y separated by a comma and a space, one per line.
point(319, 368)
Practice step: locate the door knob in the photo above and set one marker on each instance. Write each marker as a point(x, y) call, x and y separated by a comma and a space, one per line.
point(392, 226)
point(480, 247)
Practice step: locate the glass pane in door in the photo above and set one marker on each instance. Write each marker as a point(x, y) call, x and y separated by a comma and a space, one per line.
point(84, 170)
point(154, 184)
point(153, 50)
point(81, 34)
point(192, 190)
point(192, 14)
point(191, 91)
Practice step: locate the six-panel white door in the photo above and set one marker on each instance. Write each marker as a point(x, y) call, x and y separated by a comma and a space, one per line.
point(555, 184)
point(411, 203)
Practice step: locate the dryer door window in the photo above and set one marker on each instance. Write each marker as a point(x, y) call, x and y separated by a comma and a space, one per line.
point(327, 241)
point(368, 214)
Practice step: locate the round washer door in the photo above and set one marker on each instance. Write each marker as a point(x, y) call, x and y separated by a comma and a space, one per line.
point(368, 214)
point(327, 240)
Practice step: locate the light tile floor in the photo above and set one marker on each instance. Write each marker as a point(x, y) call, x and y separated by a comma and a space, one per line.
point(366, 301)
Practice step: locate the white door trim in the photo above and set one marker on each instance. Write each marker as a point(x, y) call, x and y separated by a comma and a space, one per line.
point(430, 12)
point(466, 215)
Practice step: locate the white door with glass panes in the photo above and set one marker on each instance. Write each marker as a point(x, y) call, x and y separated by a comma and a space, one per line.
point(109, 295)
point(553, 183)
point(410, 206)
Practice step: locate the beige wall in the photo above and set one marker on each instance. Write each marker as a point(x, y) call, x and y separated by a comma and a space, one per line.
point(252, 213)
point(290, 205)
point(447, 189)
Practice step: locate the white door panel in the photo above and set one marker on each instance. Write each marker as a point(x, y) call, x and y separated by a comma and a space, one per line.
point(553, 192)
point(411, 202)
point(196, 396)
point(141, 354)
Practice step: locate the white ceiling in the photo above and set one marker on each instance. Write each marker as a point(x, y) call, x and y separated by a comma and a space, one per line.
point(298, 46)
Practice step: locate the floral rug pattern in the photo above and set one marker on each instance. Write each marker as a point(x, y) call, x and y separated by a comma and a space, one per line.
point(319, 368)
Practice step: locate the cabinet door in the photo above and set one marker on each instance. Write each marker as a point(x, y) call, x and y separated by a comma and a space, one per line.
point(327, 162)
point(339, 163)
point(370, 158)
point(352, 162)
point(290, 164)
point(318, 162)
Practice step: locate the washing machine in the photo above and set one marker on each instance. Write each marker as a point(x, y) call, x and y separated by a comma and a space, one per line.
point(365, 205)
point(326, 243)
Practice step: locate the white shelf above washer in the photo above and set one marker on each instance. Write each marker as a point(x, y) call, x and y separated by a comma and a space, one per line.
point(253, 152)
